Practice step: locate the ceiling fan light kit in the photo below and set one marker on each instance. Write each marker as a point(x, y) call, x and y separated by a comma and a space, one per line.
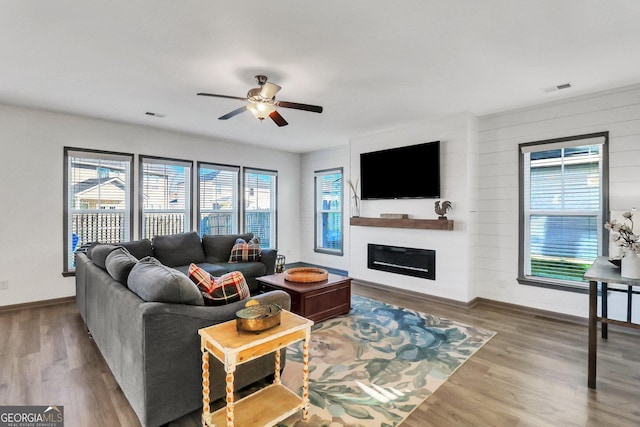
point(261, 109)
point(261, 101)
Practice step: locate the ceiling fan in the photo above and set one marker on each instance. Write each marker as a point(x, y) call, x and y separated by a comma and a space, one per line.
point(262, 102)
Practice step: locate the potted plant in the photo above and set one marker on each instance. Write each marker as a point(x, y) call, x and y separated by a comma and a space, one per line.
point(623, 236)
point(355, 205)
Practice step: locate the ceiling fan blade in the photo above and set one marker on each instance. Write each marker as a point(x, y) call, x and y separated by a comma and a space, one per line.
point(233, 113)
point(221, 96)
point(297, 106)
point(278, 119)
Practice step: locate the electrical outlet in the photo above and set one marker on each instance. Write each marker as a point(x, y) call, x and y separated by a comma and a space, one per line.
point(4, 284)
point(502, 283)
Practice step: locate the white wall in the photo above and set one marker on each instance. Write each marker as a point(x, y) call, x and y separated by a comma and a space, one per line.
point(457, 135)
point(616, 111)
point(309, 163)
point(480, 176)
point(31, 172)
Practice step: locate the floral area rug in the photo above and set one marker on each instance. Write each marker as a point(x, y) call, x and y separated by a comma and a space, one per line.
point(374, 366)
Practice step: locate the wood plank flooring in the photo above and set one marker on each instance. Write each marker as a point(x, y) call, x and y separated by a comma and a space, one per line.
point(533, 373)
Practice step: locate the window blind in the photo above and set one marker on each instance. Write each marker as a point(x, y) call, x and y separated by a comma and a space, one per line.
point(166, 196)
point(562, 209)
point(97, 198)
point(260, 205)
point(328, 218)
point(218, 199)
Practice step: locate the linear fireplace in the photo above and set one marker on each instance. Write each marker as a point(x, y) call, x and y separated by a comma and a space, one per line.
point(408, 261)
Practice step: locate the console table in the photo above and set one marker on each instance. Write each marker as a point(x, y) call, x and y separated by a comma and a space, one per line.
point(271, 404)
point(603, 271)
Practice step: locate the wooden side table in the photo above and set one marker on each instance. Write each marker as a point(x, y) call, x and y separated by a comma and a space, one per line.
point(232, 347)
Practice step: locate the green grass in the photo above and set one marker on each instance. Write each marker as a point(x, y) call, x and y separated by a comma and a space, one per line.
point(559, 269)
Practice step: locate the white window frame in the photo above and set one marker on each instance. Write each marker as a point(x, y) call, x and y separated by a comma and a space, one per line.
point(164, 187)
point(322, 210)
point(93, 227)
point(252, 203)
point(524, 263)
point(229, 196)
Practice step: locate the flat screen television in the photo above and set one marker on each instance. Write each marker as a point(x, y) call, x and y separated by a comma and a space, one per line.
point(410, 172)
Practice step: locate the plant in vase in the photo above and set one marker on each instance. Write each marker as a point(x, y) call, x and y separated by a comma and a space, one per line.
point(623, 236)
point(355, 206)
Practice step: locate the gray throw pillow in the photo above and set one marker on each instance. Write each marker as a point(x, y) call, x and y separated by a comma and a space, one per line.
point(218, 248)
point(178, 249)
point(138, 248)
point(153, 281)
point(119, 263)
point(99, 254)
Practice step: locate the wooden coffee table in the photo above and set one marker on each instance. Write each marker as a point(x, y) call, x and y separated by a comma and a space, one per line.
point(316, 301)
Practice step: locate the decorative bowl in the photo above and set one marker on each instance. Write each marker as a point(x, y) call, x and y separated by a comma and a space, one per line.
point(306, 274)
point(256, 317)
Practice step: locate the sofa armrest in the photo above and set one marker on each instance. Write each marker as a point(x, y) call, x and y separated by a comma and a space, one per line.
point(216, 314)
point(268, 258)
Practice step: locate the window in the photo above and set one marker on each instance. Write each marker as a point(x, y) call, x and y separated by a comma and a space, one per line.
point(218, 198)
point(166, 196)
point(260, 205)
point(328, 218)
point(562, 206)
point(97, 199)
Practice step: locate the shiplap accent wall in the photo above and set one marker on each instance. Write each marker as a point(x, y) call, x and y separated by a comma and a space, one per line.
point(455, 249)
point(616, 111)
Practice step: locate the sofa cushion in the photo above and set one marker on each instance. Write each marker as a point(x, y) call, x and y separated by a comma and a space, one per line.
point(153, 281)
point(244, 251)
point(178, 249)
point(138, 248)
point(119, 263)
point(218, 248)
point(213, 269)
point(248, 269)
point(99, 254)
point(228, 288)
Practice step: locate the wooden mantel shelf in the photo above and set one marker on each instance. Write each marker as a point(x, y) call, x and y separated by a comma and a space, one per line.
point(425, 224)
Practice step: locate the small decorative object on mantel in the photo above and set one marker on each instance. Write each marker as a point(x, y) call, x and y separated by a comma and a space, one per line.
point(394, 216)
point(355, 203)
point(622, 235)
point(442, 210)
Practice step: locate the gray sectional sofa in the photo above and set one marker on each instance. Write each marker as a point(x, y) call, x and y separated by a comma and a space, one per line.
point(153, 348)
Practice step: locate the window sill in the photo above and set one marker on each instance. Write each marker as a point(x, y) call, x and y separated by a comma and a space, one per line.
point(329, 252)
point(557, 285)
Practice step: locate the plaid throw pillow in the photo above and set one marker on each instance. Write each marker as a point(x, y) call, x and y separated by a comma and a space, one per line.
point(228, 288)
point(246, 251)
point(201, 278)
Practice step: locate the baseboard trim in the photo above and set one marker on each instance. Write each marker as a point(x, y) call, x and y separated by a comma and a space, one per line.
point(500, 305)
point(413, 294)
point(535, 312)
point(37, 304)
point(478, 301)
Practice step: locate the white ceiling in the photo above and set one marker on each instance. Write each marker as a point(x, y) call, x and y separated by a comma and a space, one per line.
point(372, 64)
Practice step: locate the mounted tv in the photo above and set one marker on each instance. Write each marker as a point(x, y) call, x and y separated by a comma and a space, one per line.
point(410, 172)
